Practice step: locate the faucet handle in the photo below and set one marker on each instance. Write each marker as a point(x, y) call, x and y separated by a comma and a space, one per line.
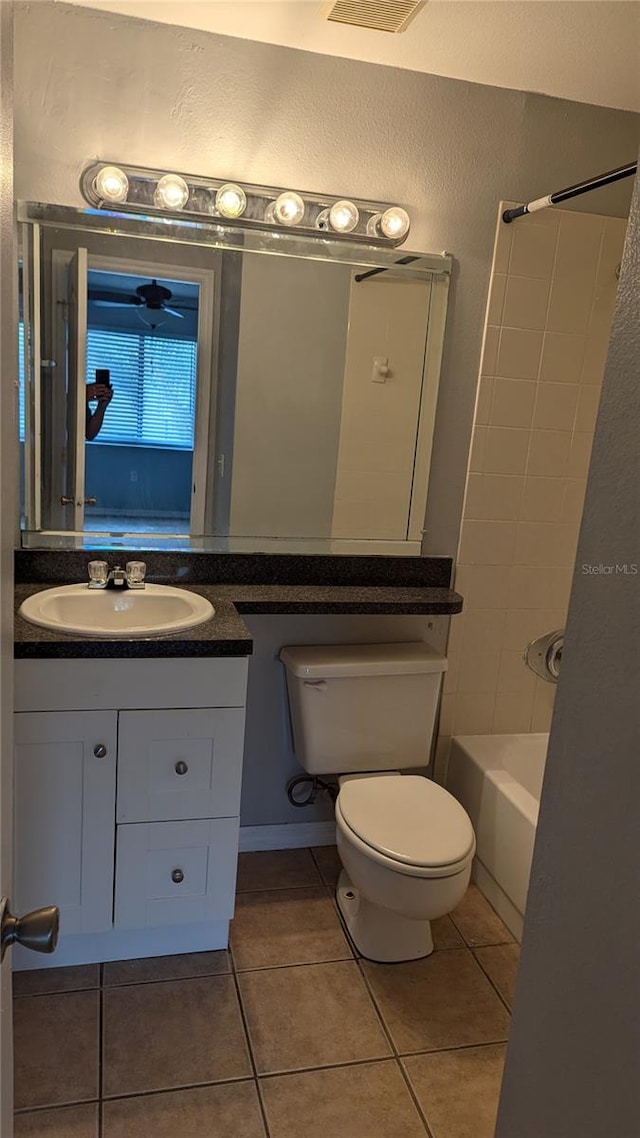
point(135, 574)
point(98, 574)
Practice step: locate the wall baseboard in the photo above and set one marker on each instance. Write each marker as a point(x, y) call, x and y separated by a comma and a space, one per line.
point(287, 836)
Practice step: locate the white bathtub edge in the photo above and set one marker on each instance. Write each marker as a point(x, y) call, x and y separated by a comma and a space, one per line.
point(498, 899)
point(493, 777)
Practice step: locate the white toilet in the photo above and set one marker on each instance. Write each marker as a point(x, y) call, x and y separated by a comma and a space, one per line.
point(365, 712)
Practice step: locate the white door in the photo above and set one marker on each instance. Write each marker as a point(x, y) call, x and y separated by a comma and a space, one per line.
point(8, 346)
point(8, 468)
point(76, 384)
point(383, 377)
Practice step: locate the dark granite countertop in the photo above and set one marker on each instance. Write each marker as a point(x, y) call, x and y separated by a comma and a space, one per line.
point(341, 599)
point(35, 566)
point(256, 583)
point(227, 634)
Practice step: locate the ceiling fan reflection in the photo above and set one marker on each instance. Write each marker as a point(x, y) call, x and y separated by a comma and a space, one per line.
point(153, 296)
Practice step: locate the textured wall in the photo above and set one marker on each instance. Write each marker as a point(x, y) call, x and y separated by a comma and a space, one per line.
point(449, 150)
point(538, 43)
point(572, 1063)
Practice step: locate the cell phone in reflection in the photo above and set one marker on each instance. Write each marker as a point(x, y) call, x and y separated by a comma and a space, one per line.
point(103, 376)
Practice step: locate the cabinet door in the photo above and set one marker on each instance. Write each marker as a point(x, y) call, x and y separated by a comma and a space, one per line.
point(172, 873)
point(175, 765)
point(65, 815)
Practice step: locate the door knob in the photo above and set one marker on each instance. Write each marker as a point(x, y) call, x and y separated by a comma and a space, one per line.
point(99, 750)
point(37, 930)
point(91, 501)
point(65, 501)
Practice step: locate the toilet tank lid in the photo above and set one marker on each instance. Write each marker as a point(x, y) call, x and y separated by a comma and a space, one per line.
point(329, 660)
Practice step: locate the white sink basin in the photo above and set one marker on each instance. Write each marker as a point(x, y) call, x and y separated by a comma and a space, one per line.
point(116, 612)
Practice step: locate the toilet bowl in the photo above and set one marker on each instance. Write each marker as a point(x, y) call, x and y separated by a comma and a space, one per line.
point(406, 846)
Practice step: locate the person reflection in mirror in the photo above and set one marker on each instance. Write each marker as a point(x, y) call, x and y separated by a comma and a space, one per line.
point(103, 393)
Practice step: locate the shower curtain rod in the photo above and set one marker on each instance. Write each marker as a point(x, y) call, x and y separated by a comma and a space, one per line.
point(374, 272)
point(571, 192)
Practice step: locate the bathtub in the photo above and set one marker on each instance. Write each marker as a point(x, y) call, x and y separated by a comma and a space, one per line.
point(498, 779)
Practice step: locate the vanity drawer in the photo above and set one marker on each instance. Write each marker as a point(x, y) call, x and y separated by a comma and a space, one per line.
point(175, 765)
point(171, 873)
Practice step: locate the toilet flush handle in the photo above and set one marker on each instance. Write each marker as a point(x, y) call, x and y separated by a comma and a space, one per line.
point(319, 685)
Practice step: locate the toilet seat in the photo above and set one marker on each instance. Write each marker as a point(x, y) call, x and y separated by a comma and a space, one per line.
point(409, 823)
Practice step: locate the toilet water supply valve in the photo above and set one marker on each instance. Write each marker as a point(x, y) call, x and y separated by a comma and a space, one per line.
point(313, 787)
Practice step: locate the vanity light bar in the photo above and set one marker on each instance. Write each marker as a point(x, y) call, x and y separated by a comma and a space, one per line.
point(136, 189)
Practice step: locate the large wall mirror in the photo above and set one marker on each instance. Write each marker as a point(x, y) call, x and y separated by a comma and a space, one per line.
point(185, 385)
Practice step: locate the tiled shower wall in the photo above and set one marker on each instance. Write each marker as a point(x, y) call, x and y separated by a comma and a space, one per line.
point(550, 306)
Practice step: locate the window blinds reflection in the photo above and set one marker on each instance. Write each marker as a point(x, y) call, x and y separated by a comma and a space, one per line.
point(154, 387)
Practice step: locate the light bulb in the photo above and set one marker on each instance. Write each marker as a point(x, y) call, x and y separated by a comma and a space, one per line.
point(231, 200)
point(344, 216)
point(171, 192)
point(111, 184)
point(288, 208)
point(395, 222)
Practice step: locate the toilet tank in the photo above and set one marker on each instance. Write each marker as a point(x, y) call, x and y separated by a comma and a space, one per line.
point(362, 707)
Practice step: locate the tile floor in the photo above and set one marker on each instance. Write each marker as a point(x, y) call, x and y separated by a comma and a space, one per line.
point(289, 1035)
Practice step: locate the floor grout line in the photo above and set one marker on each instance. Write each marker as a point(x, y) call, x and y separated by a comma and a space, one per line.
point(407, 1081)
point(296, 964)
point(55, 1106)
point(452, 1047)
point(233, 1081)
point(280, 888)
point(493, 984)
point(377, 1010)
point(66, 992)
point(263, 1109)
point(325, 1067)
point(394, 1049)
point(245, 1026)
point(100, 1049)
point(329, 884)
point(165, 979)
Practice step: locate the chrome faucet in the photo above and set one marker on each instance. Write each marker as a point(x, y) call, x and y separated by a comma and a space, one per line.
point(100, 575)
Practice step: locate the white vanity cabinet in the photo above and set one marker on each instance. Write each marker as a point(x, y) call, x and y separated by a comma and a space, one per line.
point(128, 778)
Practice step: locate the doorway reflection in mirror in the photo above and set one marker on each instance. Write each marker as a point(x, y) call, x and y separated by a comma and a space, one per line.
point(144, 334)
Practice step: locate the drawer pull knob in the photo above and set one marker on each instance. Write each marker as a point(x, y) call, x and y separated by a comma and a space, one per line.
point(181, 767)
point(177, 876)
point(100, 751)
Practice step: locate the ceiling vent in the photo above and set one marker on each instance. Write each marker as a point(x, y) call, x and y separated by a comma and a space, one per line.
point(379, 15)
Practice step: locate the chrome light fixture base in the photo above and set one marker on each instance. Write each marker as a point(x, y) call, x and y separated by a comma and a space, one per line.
point(162, 193)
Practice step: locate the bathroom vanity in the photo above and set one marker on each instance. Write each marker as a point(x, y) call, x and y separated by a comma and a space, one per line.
point(129, 752)
point(128, 776)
